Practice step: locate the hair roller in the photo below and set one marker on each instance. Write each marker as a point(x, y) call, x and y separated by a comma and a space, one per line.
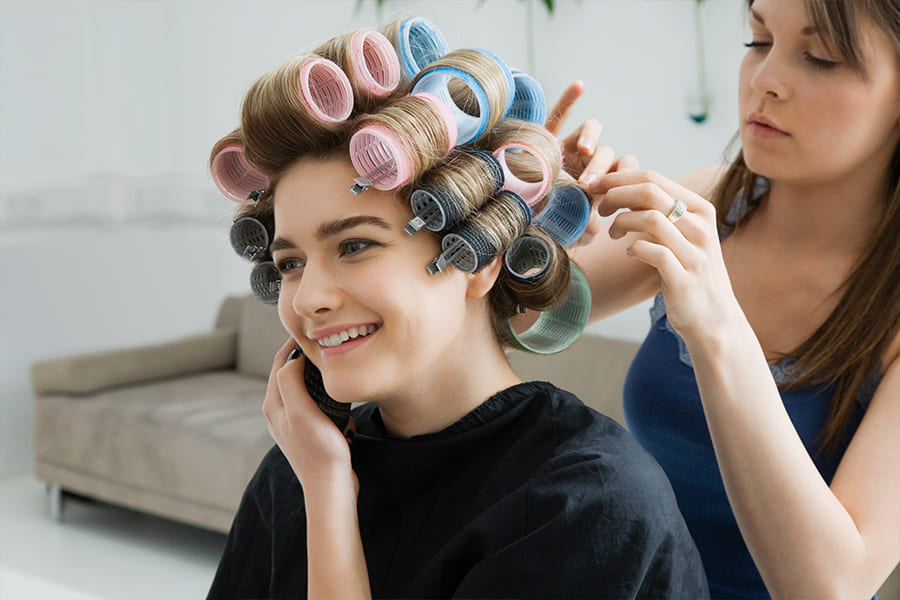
point(530, 156)
point(233, 175)
point(476, 86)
point(559, 326)
point(450, 191)
point(528, 258)
point(251, 235)
point(565, 215)
point(265, 281)
point(484, 235)
point(398, 143)
point(529, 103)
point(418, 43)
point(370, 61)
point(294, 109)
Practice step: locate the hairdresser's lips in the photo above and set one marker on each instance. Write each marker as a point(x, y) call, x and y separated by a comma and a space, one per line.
point(329, 350)
point(762, 127)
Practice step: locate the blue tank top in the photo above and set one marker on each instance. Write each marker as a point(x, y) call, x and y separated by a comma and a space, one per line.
point(664, 412)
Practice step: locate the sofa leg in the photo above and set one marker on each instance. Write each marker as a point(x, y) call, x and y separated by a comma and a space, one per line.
point(55, 500)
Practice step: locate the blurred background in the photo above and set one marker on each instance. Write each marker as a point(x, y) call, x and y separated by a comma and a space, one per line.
point(111, 232)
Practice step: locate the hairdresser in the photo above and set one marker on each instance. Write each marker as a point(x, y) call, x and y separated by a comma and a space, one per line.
point(398, 235)
point(768, 387)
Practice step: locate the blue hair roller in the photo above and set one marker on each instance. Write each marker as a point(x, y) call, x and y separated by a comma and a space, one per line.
point(510, 82)
point(419, 43)
point(435, 209)
point(529, 102)
point(557, 328)
point(435, 82)
point(566, 214)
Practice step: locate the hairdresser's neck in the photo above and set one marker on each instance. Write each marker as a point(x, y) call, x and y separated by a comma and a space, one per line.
point(824, 218)
point(450, 391)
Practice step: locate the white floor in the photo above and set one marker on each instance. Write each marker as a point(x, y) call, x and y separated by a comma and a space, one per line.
point(98, 551)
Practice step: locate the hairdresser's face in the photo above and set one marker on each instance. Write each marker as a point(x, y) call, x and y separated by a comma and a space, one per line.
point(355, 293)
point(805, 115)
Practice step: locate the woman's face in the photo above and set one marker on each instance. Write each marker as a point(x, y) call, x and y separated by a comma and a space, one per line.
point(355, 293)
point(805, 115)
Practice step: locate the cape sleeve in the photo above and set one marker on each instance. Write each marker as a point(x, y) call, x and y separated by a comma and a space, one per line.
point(595, 529)
point(245, 566)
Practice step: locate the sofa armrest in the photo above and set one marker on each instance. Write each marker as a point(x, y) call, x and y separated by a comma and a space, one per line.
point(90, 372)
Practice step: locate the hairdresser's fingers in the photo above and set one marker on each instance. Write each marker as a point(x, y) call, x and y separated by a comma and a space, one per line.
point(599, 164)
point(629, 177)
point(560, 111)
point(661, 230)
point(670, 269)
point(626, 162)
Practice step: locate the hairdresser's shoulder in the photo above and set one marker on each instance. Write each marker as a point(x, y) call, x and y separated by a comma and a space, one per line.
point(702, 181)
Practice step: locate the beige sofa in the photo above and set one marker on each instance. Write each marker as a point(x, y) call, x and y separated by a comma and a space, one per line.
point(176, 429)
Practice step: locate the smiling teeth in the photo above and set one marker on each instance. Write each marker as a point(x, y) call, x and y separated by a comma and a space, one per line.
point(339, 338)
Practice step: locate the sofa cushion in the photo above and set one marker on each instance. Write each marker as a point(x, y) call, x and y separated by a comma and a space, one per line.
point(260, 336)
point(197, 438)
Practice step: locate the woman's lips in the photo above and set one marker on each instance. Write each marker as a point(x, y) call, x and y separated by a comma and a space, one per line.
point(764, 128)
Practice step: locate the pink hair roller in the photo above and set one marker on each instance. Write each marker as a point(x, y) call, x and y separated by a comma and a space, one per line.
point(445, 113)
point(531, 192)
point(327, 90)
point(234, 176)
point(381, 158)
point(374, 62)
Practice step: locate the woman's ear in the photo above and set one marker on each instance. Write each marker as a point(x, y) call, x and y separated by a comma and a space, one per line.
point(481, 282)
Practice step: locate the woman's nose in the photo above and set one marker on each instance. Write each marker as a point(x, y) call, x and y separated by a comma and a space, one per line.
point(317, 291)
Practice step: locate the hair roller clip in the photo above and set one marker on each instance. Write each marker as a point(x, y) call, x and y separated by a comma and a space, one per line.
point(326, 89)
point(419, 43)
point(234, 176)
point(435, 81)
point(531, 192)
point(557, 328)
point(435, 209)
point(529, 102)
point(566, 214)
point(381, 159)
point(528, 258)
point(251, 236)
point(265, 281)
point(374, 62)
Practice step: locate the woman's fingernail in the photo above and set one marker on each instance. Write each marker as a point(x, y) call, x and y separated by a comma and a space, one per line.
point(589, 180)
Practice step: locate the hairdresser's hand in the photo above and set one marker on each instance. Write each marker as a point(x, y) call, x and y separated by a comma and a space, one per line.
point(686, 253)
point(316, 449)
point(582, 157)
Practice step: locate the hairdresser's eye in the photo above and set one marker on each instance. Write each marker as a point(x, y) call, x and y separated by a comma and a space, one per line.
point(289, 265)
point(821, 63)
point(353, 247)
point(758, 45)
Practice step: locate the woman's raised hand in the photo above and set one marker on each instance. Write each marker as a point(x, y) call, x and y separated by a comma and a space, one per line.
point(314, 447)
point(681, 242)
point(583, 159)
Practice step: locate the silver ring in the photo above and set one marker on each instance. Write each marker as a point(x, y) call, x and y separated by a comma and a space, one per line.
point(677, 211)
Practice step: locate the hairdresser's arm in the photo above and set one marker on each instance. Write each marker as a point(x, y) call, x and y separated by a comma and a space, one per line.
point(808, 540)
point(320, 457)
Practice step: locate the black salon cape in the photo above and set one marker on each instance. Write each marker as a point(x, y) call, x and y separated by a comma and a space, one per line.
point(531, 495)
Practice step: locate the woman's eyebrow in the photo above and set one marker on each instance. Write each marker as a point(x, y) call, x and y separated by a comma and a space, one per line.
point(334, 227)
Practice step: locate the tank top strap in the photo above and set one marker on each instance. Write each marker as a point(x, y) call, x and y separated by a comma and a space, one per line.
point(739, 208)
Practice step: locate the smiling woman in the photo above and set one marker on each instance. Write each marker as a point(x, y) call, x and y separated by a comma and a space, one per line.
point(383, 242)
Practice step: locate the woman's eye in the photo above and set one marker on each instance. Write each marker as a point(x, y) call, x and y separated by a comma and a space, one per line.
point(757, 45)
point(288, 265)
point(821, 63)
point(351, 247)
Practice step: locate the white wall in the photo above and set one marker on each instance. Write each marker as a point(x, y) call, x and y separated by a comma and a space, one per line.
point(110, 232)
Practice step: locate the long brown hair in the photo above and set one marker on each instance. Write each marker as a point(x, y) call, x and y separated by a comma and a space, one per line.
point(846, 349)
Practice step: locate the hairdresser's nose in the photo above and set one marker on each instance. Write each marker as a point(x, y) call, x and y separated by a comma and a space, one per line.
point(318, 291)
point(770, 77)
